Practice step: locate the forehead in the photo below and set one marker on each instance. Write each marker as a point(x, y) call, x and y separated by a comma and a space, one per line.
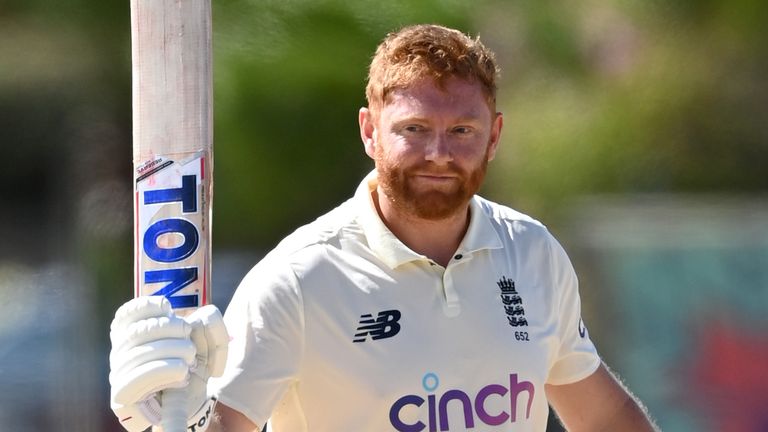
point(424, 98)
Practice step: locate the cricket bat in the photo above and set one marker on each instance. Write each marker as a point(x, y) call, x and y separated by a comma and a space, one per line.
point(172, 160)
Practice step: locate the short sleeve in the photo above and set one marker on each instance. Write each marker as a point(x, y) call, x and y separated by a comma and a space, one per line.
point(265, 324)
point(576, 357)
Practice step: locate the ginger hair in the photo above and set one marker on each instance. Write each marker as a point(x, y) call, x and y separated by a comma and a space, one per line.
point(429, 51)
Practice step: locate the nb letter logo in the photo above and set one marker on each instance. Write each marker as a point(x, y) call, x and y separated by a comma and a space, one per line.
point(385, 325)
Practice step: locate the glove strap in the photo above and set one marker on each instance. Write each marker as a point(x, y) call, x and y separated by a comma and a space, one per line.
point(202, 418)
point(197, 422)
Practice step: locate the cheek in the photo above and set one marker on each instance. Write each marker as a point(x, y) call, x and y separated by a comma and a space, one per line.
point(472, 154)
point(394, 148)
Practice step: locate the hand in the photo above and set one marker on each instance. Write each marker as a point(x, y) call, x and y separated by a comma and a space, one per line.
point(153, 350)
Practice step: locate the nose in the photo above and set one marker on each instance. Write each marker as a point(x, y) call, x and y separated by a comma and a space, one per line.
point(438, 150)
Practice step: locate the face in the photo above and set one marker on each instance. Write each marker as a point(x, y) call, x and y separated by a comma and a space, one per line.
point(431, 146)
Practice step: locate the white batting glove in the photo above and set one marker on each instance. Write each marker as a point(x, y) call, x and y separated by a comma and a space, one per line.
point(153, 349)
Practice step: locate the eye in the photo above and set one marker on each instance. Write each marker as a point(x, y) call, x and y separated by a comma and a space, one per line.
point(413, 128)
point(462, 130)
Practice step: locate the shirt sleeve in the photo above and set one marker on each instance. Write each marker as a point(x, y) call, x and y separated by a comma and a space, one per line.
point(266, 328)
point(576, 357)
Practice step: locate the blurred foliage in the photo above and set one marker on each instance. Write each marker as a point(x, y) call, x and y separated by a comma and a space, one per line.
point(289, 79)
point(631, 96)
point(599, 96)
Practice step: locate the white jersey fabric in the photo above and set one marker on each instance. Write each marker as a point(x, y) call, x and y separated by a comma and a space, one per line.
point(343, 328)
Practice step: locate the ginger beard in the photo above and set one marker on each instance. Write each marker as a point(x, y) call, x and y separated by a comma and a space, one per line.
point(435, 204)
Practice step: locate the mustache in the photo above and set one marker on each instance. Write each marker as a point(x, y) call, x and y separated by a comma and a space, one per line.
point(429, 168)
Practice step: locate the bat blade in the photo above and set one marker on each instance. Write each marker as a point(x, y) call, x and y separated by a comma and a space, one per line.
point(172, 159)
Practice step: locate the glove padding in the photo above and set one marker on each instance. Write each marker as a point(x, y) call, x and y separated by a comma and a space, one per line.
point(153, 349)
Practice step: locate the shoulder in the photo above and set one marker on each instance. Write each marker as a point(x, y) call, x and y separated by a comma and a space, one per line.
point(328, 229)
point(311, 242)
point(508, 219)
point(520, 232)
point(279, 272)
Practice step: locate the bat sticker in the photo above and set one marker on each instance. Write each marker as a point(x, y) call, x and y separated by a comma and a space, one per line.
point(170, 251)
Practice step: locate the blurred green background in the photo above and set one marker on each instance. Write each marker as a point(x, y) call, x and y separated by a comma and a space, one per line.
point(636, 130)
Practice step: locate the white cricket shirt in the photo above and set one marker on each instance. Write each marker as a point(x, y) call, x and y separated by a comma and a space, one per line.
point(343, 328)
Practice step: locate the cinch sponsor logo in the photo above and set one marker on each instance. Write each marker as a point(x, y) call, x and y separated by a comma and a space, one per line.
point(436, 415)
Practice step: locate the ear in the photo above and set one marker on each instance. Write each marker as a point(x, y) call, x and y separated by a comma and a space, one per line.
point(493, 142)
point(367, 131)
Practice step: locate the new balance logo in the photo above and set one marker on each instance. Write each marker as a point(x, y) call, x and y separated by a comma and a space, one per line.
point(385, 325)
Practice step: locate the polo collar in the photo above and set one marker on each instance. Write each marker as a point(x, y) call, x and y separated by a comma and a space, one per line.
point(480, 234)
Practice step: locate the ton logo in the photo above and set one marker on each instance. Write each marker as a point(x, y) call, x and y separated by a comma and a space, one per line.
point(180, 276)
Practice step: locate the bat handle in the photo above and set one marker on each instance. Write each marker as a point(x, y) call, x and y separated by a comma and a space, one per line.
point(174, 410)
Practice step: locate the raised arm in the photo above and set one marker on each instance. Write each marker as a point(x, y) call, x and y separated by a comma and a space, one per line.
point(599, 402)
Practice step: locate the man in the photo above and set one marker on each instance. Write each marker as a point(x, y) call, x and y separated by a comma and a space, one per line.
point(414, 306)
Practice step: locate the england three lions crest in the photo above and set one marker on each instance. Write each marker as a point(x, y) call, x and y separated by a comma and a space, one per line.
point(513, 303)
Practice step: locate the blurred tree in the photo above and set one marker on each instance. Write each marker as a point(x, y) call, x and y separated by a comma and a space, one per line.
point(290, 77)
point(600, 96)
point(611, 97)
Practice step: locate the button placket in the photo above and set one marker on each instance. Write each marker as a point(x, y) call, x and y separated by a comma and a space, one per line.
point(452, 305)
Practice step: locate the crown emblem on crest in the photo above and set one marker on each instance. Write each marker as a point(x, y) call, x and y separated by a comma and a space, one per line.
point(506, 285)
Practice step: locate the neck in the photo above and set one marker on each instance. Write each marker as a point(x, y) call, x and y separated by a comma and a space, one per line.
point(435, 239)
